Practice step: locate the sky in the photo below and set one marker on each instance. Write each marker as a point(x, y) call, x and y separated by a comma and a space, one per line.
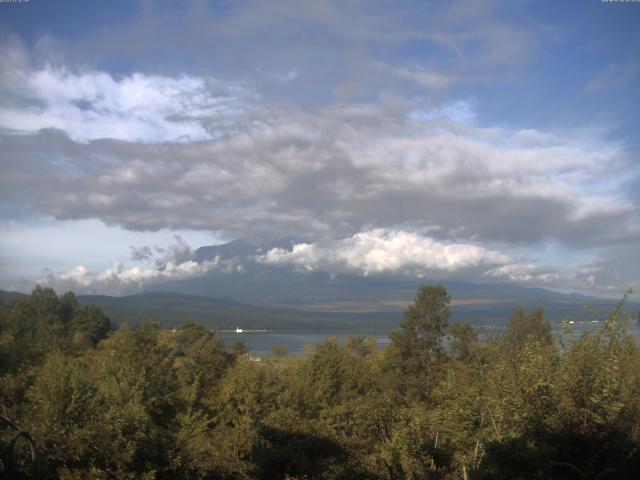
point(479, 139)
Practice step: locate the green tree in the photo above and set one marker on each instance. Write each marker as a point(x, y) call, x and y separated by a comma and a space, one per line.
point(62, 415)
point(527, 327)
point(416, 351)
point(91, 323)
point(462, 339)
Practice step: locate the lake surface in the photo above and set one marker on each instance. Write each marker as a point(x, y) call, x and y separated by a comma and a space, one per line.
point(260, 344)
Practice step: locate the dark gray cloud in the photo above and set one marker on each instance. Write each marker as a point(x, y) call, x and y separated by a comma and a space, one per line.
point(138, 254)
point(609, 277)
point(332, 174)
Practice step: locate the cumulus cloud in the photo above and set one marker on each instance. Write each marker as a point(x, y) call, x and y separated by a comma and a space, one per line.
point(136, 107)
point(118, 279)
point(177, 263)
point(120, 148)
point(336, 172)
point(382, 251)
point(523, 272)
point(344, 130)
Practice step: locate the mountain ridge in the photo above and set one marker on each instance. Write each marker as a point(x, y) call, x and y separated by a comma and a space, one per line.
point(173, 308)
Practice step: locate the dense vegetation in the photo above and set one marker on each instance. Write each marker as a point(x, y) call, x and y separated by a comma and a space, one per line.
point(436, 403)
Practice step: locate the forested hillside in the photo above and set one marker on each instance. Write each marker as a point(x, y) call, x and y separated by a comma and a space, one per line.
point(436, 403)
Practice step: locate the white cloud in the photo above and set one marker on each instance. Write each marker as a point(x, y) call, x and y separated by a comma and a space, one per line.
point(118, 279)
point(383, 251)
point(176, 263)
point(137, 107)
point(118, 273)
point(530, 273)
point(399, 252)
point(315, 170)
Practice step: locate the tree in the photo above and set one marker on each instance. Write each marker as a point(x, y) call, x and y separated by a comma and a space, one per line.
point(462, 339)
point(416, 349)
point(425, 322)
point(63, 406)
point(91, 323)
point(524, 328)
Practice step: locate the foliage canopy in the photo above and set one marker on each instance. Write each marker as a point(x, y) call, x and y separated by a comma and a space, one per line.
point(435, 403)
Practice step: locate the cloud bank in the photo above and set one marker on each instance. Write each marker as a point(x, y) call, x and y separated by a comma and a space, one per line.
point(137, 107)
point(372, 253)
point(380, 251)
point(425, 119)
point(176, 262)
point(327, 173)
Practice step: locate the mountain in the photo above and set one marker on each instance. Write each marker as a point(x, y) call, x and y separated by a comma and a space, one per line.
point(277, 297)
point(236, 248)
point(281, 287)
point(171, 309)
point(6, 296)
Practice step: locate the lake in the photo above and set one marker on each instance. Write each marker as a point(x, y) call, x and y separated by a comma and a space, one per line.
point(261, 343)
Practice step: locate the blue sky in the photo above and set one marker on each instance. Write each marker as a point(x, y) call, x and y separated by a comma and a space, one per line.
point(485, 140)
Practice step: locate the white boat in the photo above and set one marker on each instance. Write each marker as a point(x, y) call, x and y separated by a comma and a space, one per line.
point(238, 330)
